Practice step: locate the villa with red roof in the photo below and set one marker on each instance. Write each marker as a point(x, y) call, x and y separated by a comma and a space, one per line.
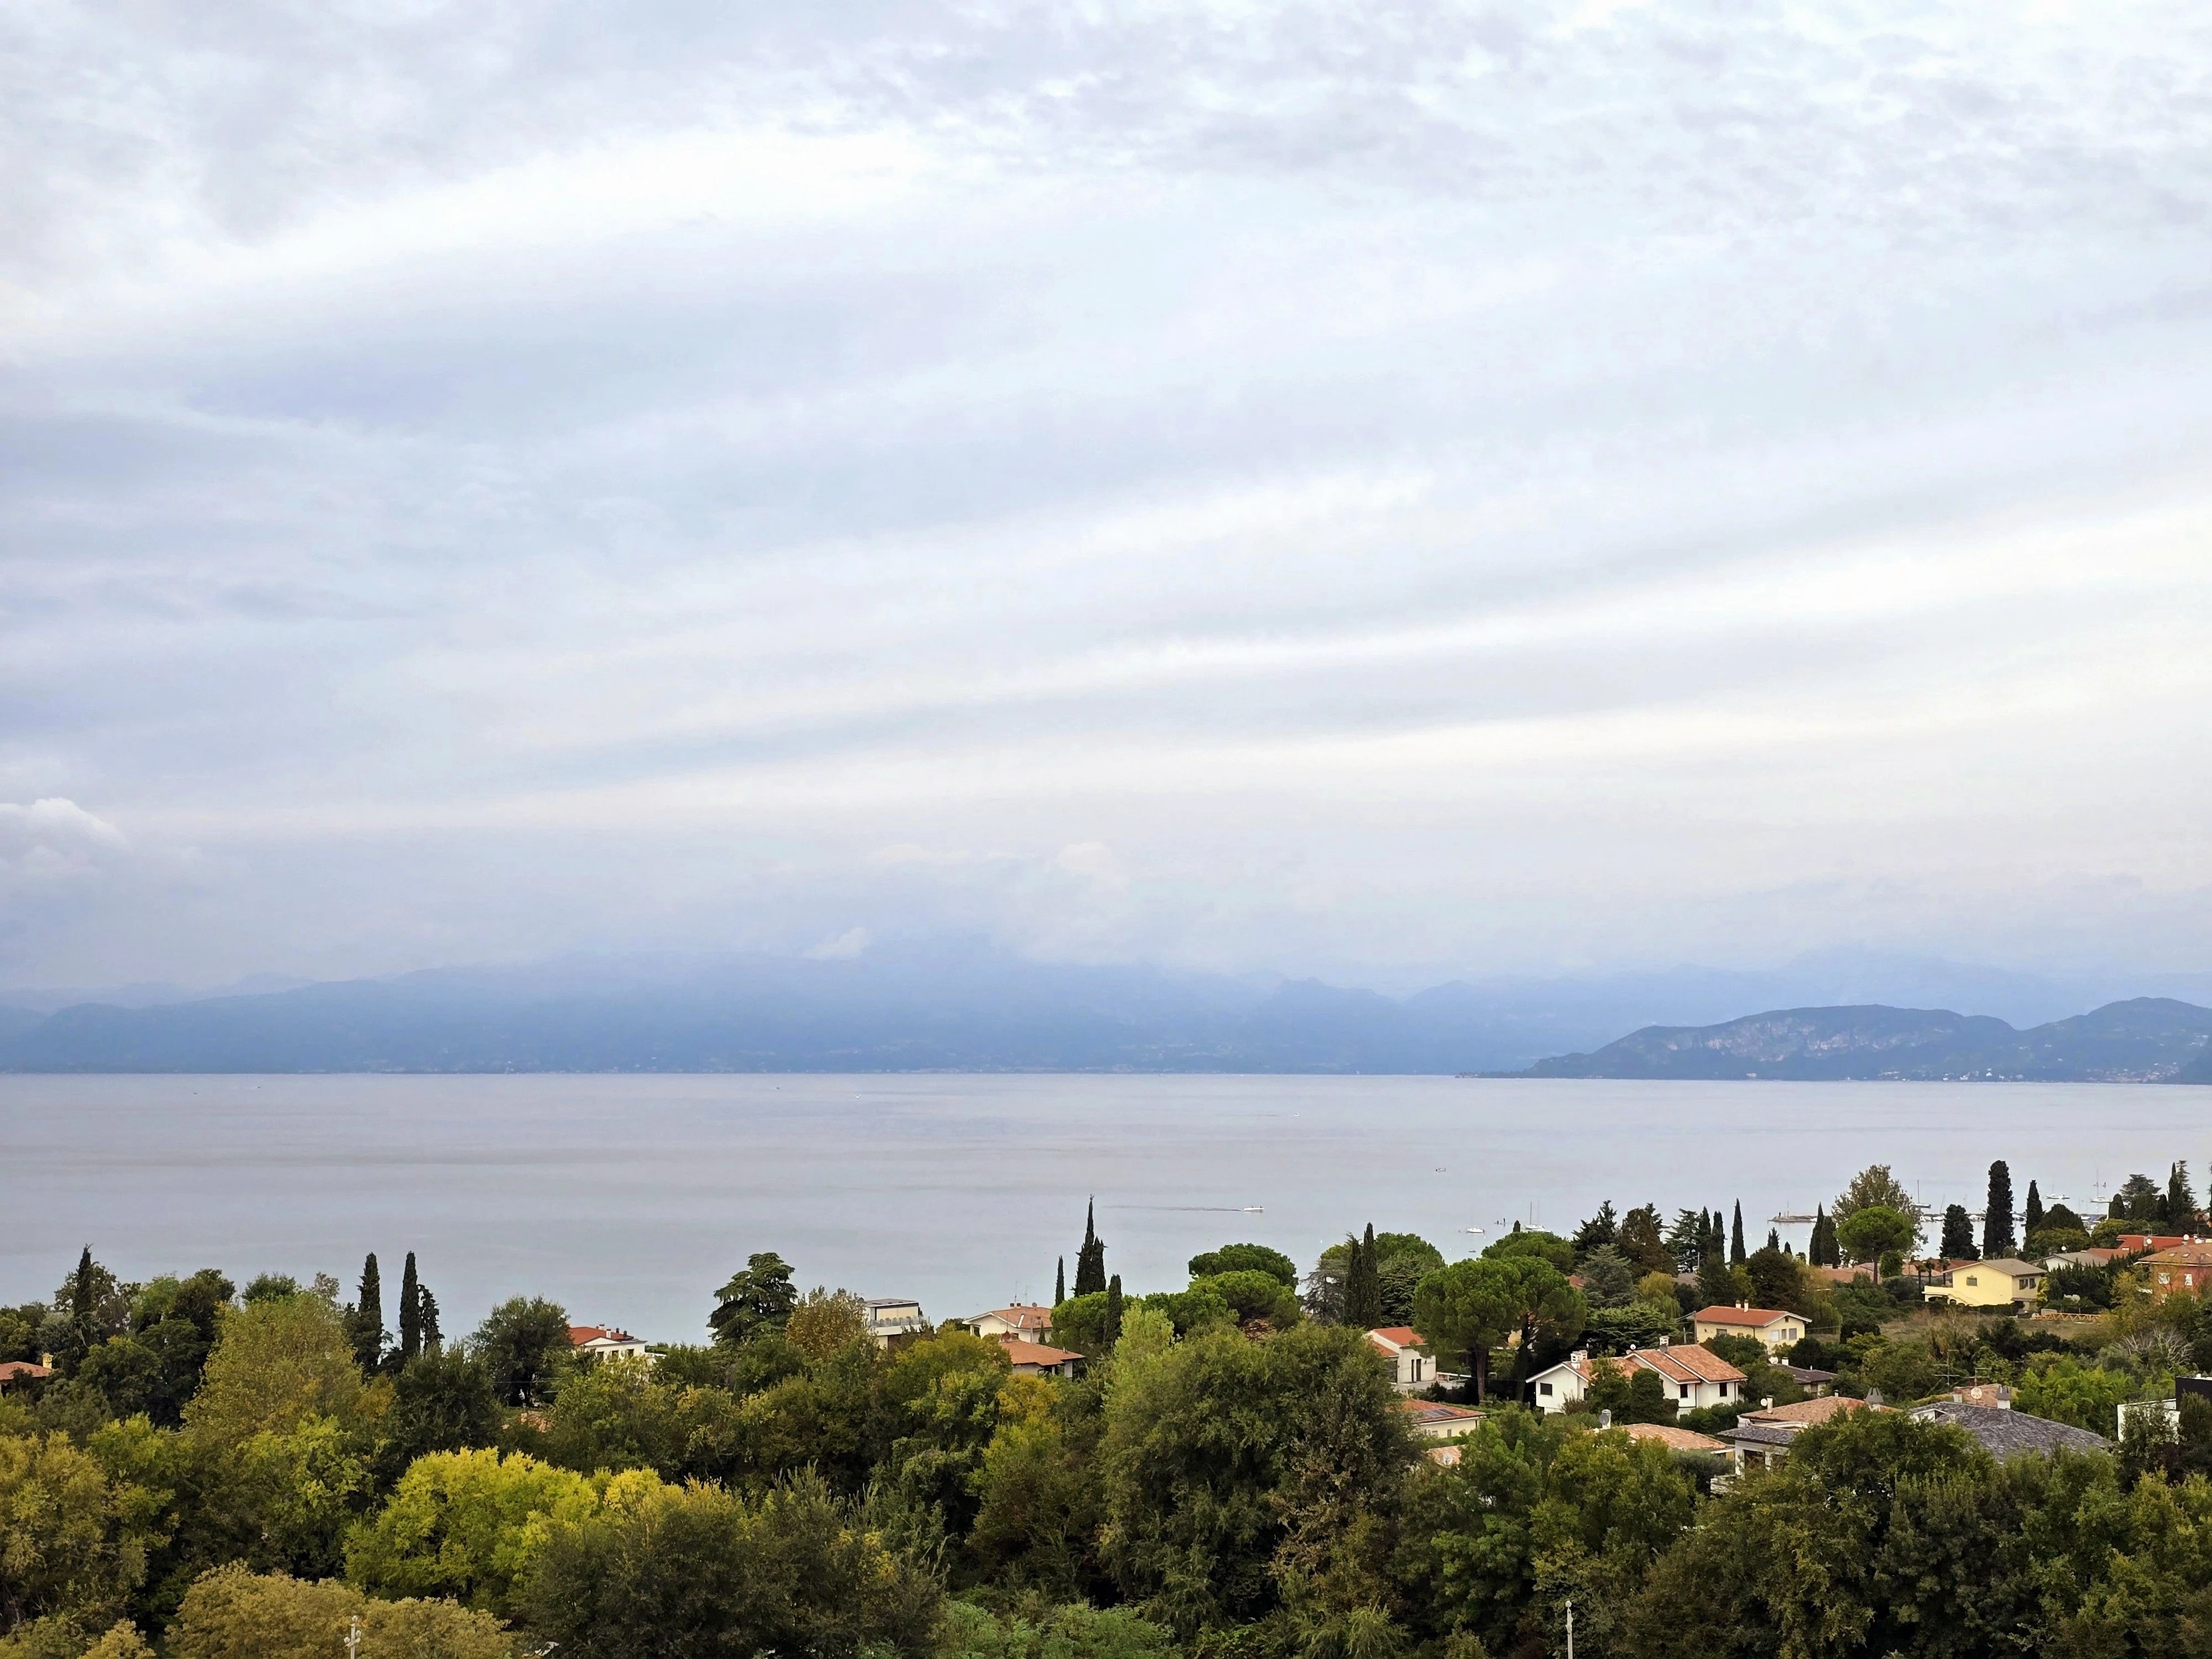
point(1778, 1327)
point(1694, 1378)
point(606, 1342)
point(1401, 1346)
point(1035, 1359)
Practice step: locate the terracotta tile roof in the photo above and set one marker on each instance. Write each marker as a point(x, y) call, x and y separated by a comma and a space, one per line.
point(1806, 1413)
point(2133, 1242)
point(580, 1335)
point(1843, 1275)
point(1703, 1363)
point(1447, 1454)
point(2182, 1255)
point(1394, 1337)
point(1751, 1318)
point(13, 1369)
point(1019, 1352)
point(1672, 1438)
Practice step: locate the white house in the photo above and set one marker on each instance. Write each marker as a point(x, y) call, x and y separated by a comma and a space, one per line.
point(605, 1342)
point(1694, 1378)
point(887, 1316)
point(1030, 1320)
point(1401, 1345)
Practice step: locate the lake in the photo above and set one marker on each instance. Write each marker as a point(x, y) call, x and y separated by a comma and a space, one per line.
point(630, 1198)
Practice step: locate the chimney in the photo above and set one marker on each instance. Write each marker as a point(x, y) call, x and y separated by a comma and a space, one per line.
point(1766, 1402)
point(1605, 1419)
point(1580, 1356)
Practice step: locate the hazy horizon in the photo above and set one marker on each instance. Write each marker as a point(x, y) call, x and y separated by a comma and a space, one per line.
point(1369, 492)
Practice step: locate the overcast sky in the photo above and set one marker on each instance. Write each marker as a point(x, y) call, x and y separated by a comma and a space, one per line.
point(1508, 486)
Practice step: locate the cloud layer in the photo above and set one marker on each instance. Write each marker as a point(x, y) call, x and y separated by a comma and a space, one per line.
point(1490, 485)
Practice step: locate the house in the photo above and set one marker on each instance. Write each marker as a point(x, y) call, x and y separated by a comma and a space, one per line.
point(1434, 1421)
point(887, 1316)
point(607, 1342)
point(1673, 1438)
point(1400, 1345)
point(1849, 1275)
point(2182, 1267)
point(1815, 1380)
point(2088, 1258)
point(1762, 1437)
point(1996, 1284)
point(16, 1373)
point(2006, 1433)
point(1694, 1378)
point(2136, 1243)
point(1034, 1360)
point(1995, 1395)
point(1030, 1320)
point(1778, 1329)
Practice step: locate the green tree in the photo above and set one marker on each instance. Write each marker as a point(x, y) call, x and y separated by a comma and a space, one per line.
point(410, 1313)
point(823, 1320)
point(2180, 1201)
point(1777, 1281)
point(1363, 1288)
point(1535, 1511)
point(2031, 1220)
point(1091, 1255)
point(234, 1613)
point(1873, 1185)
point(277, 1366)
point(1468, 1308)
point(1601, 1231)
point(1822, 1249)
point(1608, 1278)
point(1957, 1244)
point(2136, 1200)
point(701, 1571)
point(1114, 1309)
point(524, 1345)
point(1235, 1473)
point(1246, 1258)
point(1060, 1283)
point(1736, 1252)
point(1874, 1230)
point(755, 1302)
point(468, 1525)
point(365, 1320)
point(1543, 1246)
point(1998, 1237)
point(1643, 1243)
point(73, 1543)
point(445, 1401)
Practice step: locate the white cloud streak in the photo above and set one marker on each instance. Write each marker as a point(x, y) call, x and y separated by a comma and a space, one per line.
point(1497, 485)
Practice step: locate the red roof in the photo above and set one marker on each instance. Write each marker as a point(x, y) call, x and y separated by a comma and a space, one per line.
point(12, 1369)
point(1671, 1436)
point(2131, 1242)
point(1022, 1316)
point(1019, 1352)
point(1752, 1318)
point(580, 1335)
point(1394, 1337)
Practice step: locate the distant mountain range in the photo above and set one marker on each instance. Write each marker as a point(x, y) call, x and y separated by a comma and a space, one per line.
point(933, 1005)
point(2145, 1040)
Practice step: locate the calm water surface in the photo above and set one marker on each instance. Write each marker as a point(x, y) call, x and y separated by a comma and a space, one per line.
point(630, 1198)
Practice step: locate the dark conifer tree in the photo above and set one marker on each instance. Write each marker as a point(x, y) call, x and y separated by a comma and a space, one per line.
point(1060, 1283)
point(427, 1311)
point(367, 1321)
point(1823, 1250)
point(2031, 1219)
point(1773, 1238)
point(410, 1314)
point(1737, 1254)
point(1362, 1284)
point(1113, 1310)
point(1090, 1260)
point(2180, 1202)
point(83, 1288)
point(1997, 1239)
point(1957, 1244)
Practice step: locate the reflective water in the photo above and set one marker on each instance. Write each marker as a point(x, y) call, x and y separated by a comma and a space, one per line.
point(630, 1198)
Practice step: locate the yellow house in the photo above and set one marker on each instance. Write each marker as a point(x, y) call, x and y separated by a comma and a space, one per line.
point(1997, 1284)
point(1778, 1327)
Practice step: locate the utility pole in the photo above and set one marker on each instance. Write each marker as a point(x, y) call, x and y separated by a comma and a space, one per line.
point(352, 1639)
point(1570, 1628)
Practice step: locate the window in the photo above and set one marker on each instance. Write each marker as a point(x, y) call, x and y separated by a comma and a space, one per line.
point(1543, 1387)
point(1685, 1391)
point(1972, 1280)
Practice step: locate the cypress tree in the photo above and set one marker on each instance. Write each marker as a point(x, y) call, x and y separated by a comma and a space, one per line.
point(2031, 1220)
point(1957, 1244)
point(1363, 1288)
point(1823, 1247)
point(1996, 1218)
point(1090, 1260)
point(1737, 1254)
point(1060, 1283)
point(368, 1333)
point(410, 1314)
point(2180, 1202)
point(81, 1288)
point(427, 1311)
point(1773, 1238)
point(1113, 1310)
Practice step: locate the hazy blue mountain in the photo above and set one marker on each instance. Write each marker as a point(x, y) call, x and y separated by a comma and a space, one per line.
point(2146, 1039)
point(935, 1004)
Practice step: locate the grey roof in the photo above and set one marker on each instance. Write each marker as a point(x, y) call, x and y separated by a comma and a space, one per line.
point(1809, 1374)
point(2010, 1433)
point(1758, 1434)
